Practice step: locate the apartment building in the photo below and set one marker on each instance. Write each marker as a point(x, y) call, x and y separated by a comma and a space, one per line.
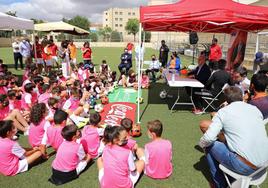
point(117, 18)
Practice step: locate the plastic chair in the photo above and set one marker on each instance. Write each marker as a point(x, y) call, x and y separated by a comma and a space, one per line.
point(241, 181)
point(210, 99)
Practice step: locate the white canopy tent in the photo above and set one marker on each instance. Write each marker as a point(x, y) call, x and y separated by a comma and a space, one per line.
point(11, 22)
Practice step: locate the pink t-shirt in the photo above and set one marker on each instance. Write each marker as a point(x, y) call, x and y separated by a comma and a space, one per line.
point(36, 133)
point(130, 144)
point(10, 154)
point(91, 140)
point(53, 136)
point(71, 104)
point(118, 162)
point(68, 156)
point(43, 98)
point(155, 151)
point(4, 112)
point(3, 90)
point(26, 100)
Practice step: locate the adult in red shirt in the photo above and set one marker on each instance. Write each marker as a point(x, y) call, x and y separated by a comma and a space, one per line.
point(86, 52)
point(54, 53)
point(215, 54)
point(37, 50)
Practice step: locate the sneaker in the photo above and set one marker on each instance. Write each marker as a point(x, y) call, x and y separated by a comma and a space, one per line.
point(198, 112)
point(26, 133)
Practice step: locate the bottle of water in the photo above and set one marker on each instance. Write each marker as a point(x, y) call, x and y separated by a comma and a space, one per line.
point(173, 77)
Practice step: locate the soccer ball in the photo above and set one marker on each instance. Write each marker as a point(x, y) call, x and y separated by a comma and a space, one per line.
point(163, 94)
point(139, 100)
point(99, 108)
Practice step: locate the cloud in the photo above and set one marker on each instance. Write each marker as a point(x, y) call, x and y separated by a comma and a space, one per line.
point(55, 10)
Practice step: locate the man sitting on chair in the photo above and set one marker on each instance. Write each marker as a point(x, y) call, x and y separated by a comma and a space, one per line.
point(241, 128)
point(213, 86)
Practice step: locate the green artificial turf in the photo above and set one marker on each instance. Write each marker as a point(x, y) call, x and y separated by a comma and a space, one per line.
point(190, 169)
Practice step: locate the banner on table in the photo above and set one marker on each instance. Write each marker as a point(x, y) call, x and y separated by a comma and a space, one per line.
point(124, 95)
point(237, 49)
point(114, 112)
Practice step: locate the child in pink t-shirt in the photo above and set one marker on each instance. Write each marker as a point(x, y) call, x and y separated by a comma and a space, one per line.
point(117, 168)
point(27, 100)
point(157, 150)
point(43, 98)
point(131, 144)
point(71, 158)
point(91, 136)
point(145, 82)
point(13, 158)
point(38, 126)
point(52, 136)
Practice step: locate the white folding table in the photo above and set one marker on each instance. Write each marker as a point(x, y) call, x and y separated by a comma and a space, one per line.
point(174, 79)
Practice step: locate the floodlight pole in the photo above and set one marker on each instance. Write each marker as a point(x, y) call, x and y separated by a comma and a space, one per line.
point(139, 76)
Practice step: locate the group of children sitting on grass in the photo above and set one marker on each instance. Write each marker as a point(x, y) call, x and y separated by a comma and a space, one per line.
point(52, 110)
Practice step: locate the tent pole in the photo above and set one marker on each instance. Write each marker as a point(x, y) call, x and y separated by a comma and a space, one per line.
point(257, 43)
point(139, 76)
point(34, 43)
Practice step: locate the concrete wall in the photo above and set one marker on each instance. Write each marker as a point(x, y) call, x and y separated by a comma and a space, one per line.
point(5, 42)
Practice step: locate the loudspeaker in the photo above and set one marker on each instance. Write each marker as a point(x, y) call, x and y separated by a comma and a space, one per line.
point(193, 37)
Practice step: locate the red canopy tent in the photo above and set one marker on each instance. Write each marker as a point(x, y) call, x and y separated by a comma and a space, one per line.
point(215, 16)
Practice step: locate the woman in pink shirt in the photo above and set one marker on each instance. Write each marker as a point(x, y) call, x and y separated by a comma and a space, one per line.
point(70, 159)
point(38, 126)
point(157, 150)
point(117, 168)
point(43, 98)
point(145, 81)
point(13, 158)
point(91, 136)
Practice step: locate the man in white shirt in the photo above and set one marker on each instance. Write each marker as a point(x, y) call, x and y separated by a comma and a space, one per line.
point(154, 67)
point(245, 145)
point(17, 55)
point(25, 51)
point(240, 79)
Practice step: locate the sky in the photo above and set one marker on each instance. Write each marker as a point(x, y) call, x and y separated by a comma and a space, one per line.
point(55, 10)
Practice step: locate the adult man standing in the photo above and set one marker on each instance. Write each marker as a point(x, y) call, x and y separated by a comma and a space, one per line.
point(17, 55)
point(25, 51)
point(54, 53)
point(37, 49)
point(163, 53)
point(215, 54)
point(245, 147)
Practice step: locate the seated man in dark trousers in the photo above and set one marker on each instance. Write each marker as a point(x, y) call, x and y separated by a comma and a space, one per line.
point(245, 147)
point(126, 61)
point(213, 86)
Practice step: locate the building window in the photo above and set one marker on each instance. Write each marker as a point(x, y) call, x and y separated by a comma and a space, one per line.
point(121, 19)
point(116, 13)
point(121, 13)
point(133, 13)
point(106, 13)
point(106, 25)
point(106, 20)
point(116, 25)
point(116, 19)
point(129, 13)
point(121, 25)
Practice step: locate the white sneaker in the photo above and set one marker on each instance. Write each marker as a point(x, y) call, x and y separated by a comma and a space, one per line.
point(26, 133)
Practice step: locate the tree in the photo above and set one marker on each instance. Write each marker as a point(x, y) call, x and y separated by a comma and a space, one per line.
point(12, 13)
point(93, 37)
point(132, 27)
point(80, 21)
point(115, 36)
point(36, 21)
point(147, 36)
point(106, 33)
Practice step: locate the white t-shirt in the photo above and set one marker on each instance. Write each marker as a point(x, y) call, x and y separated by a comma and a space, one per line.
point(16, 47)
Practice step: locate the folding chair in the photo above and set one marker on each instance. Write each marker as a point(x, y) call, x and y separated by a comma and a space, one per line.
point(210, 99)
point(256, 178)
